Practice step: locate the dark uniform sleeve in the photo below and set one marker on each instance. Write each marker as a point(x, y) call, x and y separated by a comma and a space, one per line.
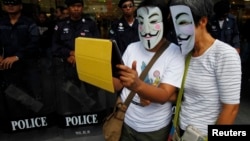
point(59, 49)
point(236, 34)
point(1, 47)
point(112, 31)
point(55, 42)
point(95, 30)
point(1, 50)
point(31, 48)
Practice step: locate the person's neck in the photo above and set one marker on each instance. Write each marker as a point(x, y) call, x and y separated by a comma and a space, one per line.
point(14, 17)
point(75, 18)
point(204, 42)
point(129, 19)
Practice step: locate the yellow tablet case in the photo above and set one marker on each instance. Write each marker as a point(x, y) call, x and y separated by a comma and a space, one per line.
point(93, 61)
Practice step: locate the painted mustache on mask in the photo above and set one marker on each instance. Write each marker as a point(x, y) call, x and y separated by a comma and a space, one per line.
point(183, 38)
point(149, 34)
point(180, 39)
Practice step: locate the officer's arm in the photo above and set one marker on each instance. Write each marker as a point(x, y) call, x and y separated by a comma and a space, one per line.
point(31, 48)
point(236, 37)
point(54, 45)
point(95, 30)
point(112, 32)
point(58, 49)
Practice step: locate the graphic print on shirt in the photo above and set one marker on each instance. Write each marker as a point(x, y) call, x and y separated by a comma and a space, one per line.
point(153, 81)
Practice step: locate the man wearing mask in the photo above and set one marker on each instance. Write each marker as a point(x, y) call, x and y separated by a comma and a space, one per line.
point(149, 115)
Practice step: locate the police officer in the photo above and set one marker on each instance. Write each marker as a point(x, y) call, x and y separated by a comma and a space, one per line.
point(76, 25)
point(224, 25)
point(19, 37)
point(63, 51)
point(125, 30)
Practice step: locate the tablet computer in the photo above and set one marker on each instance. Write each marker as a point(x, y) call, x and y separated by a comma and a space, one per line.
point(116, 58)
point(96, 61)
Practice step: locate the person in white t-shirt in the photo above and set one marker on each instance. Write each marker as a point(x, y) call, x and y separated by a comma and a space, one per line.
point(149, 115)
point(213, 81)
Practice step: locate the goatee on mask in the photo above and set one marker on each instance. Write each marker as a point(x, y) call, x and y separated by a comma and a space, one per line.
point(150, 26)
point(184, 27)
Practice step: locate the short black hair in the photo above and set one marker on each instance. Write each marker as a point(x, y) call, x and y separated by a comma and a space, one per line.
point(71, 2)
point(199, 8)
point(13, 2)
point(122, 1)
point(222, 7)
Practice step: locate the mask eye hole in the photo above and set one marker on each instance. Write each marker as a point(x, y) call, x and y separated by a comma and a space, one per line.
point(184, 22)
point(183, 19)
point(153, 22)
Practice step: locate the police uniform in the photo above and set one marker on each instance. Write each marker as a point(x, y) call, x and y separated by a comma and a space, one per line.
point(229, 32)
point(123, 33)
point(64, 36)
point(21, 40)
point(65, 33)
point(67, 30)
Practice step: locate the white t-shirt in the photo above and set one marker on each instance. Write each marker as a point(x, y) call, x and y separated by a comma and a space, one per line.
point(169, 69)
point(212, 79)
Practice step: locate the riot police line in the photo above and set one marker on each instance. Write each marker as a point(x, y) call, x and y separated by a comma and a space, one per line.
point(61, 102)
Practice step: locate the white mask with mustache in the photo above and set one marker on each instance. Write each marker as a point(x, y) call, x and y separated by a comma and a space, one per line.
point(184, 27)
point(150, 26)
